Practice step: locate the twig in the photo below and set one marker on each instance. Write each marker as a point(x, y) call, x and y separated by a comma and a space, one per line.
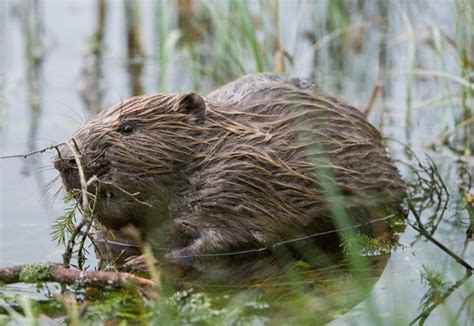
point(39, 151)
point(421, 318)
point(420, 229)
point(442, 137)
point(86, 209)
point(378, 87)
point(80, 252)
point(70, 244)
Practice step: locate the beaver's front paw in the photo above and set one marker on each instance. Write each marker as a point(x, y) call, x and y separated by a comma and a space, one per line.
point(137, 264)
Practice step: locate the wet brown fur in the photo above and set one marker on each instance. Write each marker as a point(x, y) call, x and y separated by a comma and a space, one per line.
point(251, 164)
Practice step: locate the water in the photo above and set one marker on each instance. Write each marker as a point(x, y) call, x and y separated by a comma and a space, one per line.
point(393, 42)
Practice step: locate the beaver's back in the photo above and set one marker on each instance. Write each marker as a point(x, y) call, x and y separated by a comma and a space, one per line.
point(300, 119)
point(284, 151)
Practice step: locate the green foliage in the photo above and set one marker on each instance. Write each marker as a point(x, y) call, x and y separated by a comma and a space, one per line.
point(115, 306)
point(437, 286)
point(397, 223)
point(231, 41)
point(186, 307)
point(37, 273)
point(181, 308)
point(64, 224)
point(250, 34)
point(368, 246)
point(167, 40)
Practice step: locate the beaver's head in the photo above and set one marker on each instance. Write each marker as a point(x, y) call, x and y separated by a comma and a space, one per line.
point(139, 151)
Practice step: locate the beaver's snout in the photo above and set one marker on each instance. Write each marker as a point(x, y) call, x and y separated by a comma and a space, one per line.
point(65, 160)
point(66, 165)
point(62, 164)
point(95, 164)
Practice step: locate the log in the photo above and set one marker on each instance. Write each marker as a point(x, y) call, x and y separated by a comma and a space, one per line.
point(49, 272)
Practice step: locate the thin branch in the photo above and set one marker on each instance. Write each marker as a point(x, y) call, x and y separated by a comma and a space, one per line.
point(70, 244)
point(377, 88)
point(421, 318)
point(82, 177)
point(81, 258)
point(420, 229)
point(442, 137)
point(39, 151)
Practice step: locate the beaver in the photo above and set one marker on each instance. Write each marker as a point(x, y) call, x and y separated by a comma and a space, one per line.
point(266, 158)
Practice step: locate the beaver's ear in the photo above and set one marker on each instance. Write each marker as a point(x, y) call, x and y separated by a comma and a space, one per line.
point(192, 104)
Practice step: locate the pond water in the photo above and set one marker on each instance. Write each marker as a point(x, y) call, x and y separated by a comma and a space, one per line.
point(48, 87)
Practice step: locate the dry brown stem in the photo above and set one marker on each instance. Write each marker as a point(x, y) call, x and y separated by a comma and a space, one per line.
point(39, 151)
point(378, 87)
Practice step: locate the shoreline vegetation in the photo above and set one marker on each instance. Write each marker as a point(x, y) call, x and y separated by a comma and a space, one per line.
point(411, 71)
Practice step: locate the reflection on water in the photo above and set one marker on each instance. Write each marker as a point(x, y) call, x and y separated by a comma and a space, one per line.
point(92, 73)
point(135, 55)
point(31, 17)
point(67, 60)
point(288, 279)
point(280, 280)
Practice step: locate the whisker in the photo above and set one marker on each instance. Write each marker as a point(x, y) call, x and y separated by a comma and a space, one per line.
point(57, 193)
point(41, 192)
point(81, 120)
point(42, 169)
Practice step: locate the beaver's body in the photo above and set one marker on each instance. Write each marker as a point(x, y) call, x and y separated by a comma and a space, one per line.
point(260, 160)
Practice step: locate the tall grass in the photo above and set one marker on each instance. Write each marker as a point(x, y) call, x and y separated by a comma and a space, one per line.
point(92, 72)
point(166, 42)
point(464, 13)
point(135, 53)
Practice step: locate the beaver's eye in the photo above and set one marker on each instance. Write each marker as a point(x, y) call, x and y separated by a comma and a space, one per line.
point(127, 128)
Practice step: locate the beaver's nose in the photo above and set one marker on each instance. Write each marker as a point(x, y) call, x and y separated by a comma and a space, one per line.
point(62, 164)
point(65, 160)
